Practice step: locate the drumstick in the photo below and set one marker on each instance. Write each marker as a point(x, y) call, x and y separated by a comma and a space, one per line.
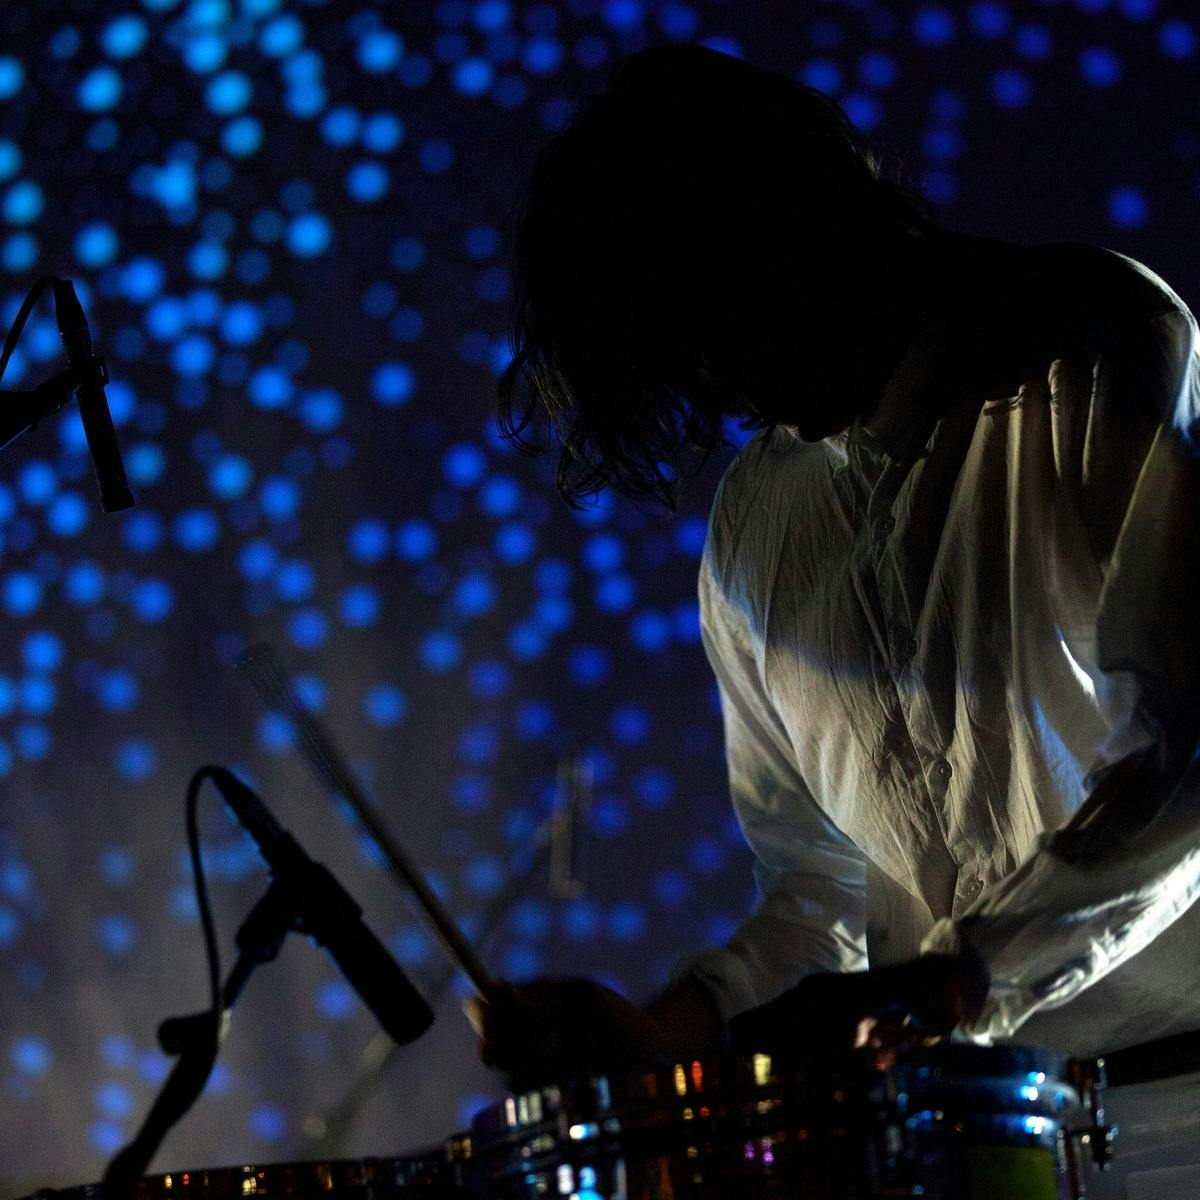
point(318, 749)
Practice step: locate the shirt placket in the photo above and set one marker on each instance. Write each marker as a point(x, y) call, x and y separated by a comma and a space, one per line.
point(928, 767)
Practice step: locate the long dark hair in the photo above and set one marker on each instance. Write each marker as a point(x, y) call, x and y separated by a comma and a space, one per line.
point(673, 245)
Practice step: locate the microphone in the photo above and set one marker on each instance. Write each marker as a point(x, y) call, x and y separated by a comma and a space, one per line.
point(566, 826)
point(324, 910)
point(93, 406)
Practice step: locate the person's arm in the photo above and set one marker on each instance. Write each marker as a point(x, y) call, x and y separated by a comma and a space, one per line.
point(1128, 864)
point(811, 912)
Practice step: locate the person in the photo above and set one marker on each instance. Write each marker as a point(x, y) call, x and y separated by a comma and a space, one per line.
point(948, 591)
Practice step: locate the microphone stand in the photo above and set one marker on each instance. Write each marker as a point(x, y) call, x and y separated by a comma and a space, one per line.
point(196, 1039)
point(21, 411)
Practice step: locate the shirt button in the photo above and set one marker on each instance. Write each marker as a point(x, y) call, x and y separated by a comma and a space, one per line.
point(942, 770)
point(886, 525)
point(972, 889)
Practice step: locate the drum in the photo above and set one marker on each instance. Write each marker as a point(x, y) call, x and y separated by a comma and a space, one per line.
point(416, 1177)
point(944, 1122)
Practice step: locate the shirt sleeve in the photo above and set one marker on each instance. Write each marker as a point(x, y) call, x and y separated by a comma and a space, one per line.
point(811, 878)
point(1128, 864)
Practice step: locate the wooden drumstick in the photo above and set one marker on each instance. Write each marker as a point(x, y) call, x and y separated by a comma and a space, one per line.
point(325, 760)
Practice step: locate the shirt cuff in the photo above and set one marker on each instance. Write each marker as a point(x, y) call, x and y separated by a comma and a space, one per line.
point(726, 977)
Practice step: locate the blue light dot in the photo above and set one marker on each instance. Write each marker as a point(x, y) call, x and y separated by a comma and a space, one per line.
point(335, 1000)
point(382, 132)
point(135, 759)
point(152, 600)
point(10, 159)
point(464, 465)
point(542, 56)
point(474, 594)
point(113, 1099)
point(654, 788)
point(603, 552)
point(116, 935)
point(12, 76)
point(204, 52)
point(471, 792)
point(588, 665)
point(862, 109)
point(1011, 88)
point(367, 182)
point(581, 920)
point(268, 1123)
point(22, 593)
point(706, 856)
point(1128, 207)
point(392, 384)
point(533, 720)
point(281, 36)
point(279, 497)
point(43, 651)
point(117, 690)
point(436, 156)
point(472, 76)
point(142, 531)
point(440, 651)
point(295, 580)
point(671, 887)
point(490, 678)
point(30, 1055)
point(1034, 41)
point(196, 530)
point(308, 629)
point(515, 543)
point(228, 93)
point(500, 496)
point(626, 921)
point(415, 540)
point(408, 254)
point(934, 26)
point(380, 50)
point(1100, 66)
point(276, 734)
point(385, 705)
point(678, 20)
point(630, 724)
point(877, 69)
point(309, 235)
point(100, 89)
point(117, 864)
point(368, 540)
point(360, 605)
point(1177, 39)
point(23, 202)
point(989, 20)
point(483, 876)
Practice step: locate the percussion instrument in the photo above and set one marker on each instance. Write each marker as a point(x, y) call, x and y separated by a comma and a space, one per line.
point(947, 1121)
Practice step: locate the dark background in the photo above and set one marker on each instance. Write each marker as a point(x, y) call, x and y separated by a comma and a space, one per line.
point(288, 222)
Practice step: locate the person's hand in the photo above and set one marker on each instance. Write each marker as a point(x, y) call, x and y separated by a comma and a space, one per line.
point(823, 1012)
point(555, 1029)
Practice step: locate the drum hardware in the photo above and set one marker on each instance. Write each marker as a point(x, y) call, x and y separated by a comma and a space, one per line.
point(939, 1121)
point(557, 840)
point(263, 668)
point(303, 896)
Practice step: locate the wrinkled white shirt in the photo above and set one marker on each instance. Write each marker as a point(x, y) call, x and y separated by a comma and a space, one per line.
point(921, 661)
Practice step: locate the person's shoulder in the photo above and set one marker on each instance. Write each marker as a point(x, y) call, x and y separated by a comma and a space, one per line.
point(754, 501)
point(1114, 295)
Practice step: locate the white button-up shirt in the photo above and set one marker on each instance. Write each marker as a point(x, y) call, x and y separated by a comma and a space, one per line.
point(921, 661)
